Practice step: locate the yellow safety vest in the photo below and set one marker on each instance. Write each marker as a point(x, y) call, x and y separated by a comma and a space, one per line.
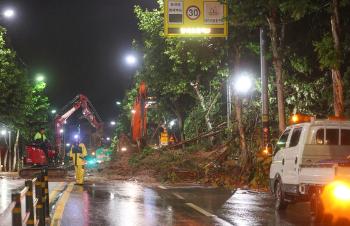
point(78, 154)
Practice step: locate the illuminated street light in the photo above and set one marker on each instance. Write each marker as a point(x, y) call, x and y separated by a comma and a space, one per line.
point(61, 131)
point(243, 83)
point(133, 111)
point(108, 138)
point(172, 123)
point(76, 136)
point(53, 111)
point(112, 123)
point(118, 103)
point(8, 13)
point(130, 60)
point(40, 78)
point(3, 132)
point(67, 144)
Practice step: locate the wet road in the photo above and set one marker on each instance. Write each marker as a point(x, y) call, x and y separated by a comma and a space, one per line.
point(129, 203)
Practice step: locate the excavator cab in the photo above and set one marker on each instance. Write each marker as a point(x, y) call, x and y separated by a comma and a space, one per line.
point(35, 155)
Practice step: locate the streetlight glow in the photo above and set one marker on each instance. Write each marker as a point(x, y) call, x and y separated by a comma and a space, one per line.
point(67, 144)
point(61, 131)
point(172, 123)
point(118, 103)
point(130, 60)
point(243, 83)
point(3, 132)
point(112, 123)
point(8, 13)
point(53, 111)
point(76, 136)
point(133, 111)
point(40, 78)
point(108, 138)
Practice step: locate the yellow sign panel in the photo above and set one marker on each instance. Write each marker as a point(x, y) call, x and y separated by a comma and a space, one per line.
point(195, 18)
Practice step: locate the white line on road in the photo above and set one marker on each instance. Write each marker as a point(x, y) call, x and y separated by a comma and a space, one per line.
point(178, 196)
point(202, 211)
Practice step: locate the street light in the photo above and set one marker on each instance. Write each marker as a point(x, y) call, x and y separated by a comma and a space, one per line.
point(118, 103)
point(40, 78)
point(133, 111)
point(243, 83)
point(67, 144)
point(172, 123)
point(112, 123)
point(8, 13)
point(61, 131)
point(53, 111)
point(130, 60)
point(3, 132)
point(108, 138)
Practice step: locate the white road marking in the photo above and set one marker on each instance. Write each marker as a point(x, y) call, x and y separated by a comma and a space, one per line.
point(162, 187)
point(202, 211)
point(178, 196)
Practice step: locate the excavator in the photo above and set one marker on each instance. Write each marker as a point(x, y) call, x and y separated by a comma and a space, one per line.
point(139, 117)
point(35, 157)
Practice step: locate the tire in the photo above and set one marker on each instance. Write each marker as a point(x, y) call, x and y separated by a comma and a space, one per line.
point(280, 203)
point(316, 207)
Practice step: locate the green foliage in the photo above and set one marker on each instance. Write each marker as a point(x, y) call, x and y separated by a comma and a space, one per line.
point(326, 53)
point(14, 87)
point(23, 104)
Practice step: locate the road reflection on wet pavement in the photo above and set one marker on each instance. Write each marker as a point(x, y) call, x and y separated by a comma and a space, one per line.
point(130, 203)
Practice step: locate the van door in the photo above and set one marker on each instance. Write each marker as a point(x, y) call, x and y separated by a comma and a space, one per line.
point(276, 165)
point(290, 166)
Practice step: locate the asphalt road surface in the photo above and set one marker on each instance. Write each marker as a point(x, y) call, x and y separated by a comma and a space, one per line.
point(130, 203)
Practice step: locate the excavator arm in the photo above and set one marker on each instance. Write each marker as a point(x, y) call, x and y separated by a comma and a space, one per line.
point(88, 112)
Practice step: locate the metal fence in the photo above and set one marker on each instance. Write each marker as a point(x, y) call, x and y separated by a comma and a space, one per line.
point(30, 204)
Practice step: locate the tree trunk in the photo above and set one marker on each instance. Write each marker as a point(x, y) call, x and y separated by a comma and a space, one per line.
point(15, 153)
point(6, 158)
point(202, 102)
point(238, 113)
point(276, 42)
point(338, 96)
point(242, 139)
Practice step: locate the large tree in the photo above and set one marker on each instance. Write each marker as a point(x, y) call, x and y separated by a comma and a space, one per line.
point(180, 72)
point(14, 86)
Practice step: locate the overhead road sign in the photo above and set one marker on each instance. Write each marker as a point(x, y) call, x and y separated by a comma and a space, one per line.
point(195, 18)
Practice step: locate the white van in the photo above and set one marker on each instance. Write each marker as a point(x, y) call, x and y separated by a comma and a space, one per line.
point(307, 157)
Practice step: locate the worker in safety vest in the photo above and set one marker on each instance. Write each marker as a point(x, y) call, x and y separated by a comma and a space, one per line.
point(41, 141)
point(77, 154)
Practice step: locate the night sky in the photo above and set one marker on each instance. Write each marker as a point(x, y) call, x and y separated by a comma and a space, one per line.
point(79, 45)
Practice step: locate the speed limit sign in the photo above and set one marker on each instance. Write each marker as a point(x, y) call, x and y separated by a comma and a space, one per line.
point(193, 12)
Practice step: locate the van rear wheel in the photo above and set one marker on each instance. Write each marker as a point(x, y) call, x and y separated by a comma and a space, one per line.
point(280, 204)
point(316, 207)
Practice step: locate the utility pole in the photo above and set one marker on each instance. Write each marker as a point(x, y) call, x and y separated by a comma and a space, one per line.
point(10, 152)
point(264, 92)
point(229, 102)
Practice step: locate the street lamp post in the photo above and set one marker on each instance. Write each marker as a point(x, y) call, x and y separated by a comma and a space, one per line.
point(3, 133)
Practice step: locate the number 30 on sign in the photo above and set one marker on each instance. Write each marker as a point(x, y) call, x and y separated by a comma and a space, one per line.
point(193, 12)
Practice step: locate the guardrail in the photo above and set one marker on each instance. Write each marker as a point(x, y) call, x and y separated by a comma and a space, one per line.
point(30, 205)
